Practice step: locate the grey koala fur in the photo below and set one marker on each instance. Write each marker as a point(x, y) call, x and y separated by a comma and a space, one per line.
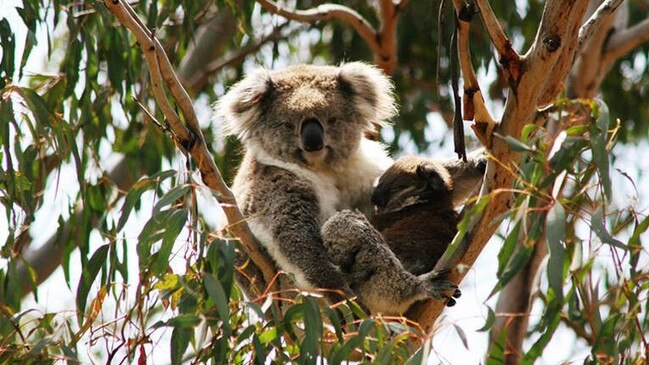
point(306, 157)
point(415, 203)
point(374, 273)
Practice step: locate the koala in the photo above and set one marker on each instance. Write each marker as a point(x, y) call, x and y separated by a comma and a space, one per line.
point(415, 203)
point(373, 272)
point(306, 156)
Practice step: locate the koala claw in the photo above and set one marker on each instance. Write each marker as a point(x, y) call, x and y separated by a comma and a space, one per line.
point(438, 286)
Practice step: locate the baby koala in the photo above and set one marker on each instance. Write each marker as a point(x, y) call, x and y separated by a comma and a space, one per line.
point(415, 202)
point(372, 271)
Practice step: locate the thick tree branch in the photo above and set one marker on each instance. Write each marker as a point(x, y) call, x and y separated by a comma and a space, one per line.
point(190, 136)
point(217, 33)
point(554, 50)
point(555, 42)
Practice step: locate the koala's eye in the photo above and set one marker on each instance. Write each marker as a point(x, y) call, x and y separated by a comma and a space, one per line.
point(288, 126)
point(333, 120)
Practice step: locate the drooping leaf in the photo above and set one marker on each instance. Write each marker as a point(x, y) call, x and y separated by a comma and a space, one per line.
point(88, 276)
point(556, 232)
point(597, 224)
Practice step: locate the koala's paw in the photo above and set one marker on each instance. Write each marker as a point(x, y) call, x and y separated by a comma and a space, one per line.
point(438, 286)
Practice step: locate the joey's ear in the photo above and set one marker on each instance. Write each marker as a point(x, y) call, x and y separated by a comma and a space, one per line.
point(435, 178)
point(371, 90)
point(238, 109)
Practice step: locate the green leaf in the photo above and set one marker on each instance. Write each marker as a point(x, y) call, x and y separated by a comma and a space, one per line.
point(88, 276)
point(460, 332)
point(554, 318)
point(180, 337)
point(132, 198)
point(597, 224)
point(220, 299)
point(599, 139)
point(171, 197)
point(172, 228)
point(312, 331)
point(179, 321)
point(38, 106)
point(8, 45)
point(508, 248)
point(517, 263)
point(491, 319)
point(556, 234)
point(515, 144)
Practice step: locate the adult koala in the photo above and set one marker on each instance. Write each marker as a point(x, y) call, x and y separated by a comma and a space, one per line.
point(306, 156)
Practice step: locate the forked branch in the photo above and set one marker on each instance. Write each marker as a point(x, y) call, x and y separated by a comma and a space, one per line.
point(382, 42)
point(189, 135)
point(328, 12)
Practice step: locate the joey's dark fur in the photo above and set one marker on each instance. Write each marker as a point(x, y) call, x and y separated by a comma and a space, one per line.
point(415, 203)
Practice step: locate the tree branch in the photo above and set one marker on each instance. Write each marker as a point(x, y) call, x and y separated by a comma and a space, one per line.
point(509, 59)
point(556, 41)
point(623, 42)
point(191, 136)
point(589, 69)
point(382, 43)
point(554, 50)
point(473, 102)
point(603, 15)
point(328, 12)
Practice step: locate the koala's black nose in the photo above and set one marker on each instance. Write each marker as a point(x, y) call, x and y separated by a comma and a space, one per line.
point(312, 135)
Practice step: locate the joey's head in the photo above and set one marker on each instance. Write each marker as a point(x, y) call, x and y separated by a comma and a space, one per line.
point(308, 115)
point(412, 181)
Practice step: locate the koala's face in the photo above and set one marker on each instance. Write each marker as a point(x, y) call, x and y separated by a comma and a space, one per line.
point(411, 181)
point(306, 114)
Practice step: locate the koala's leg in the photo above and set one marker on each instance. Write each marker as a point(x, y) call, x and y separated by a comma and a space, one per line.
point(372, 269)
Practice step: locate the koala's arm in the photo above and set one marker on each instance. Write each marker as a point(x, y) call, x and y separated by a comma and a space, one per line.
point(466, 176)
point(287, 209)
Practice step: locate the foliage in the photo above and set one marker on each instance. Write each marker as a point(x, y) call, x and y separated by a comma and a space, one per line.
point(181, 293)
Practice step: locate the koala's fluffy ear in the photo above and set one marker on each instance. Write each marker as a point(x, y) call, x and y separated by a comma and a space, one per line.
point(372, 91)
point(238, 109)
point(435, 176)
